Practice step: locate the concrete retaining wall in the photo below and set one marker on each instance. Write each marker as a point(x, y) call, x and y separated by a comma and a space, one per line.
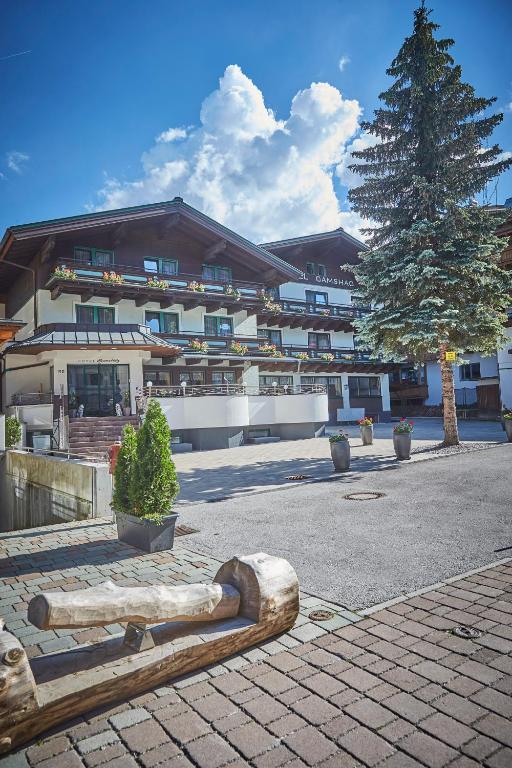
point(41, 490)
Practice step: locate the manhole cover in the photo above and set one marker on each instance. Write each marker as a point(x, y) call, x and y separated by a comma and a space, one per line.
point(468, 633)
point(363, 496)
point(184, 530)
point(320, 615)
point(297, 477)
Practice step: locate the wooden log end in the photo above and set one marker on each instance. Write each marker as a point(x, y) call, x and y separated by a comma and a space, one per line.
point(39, 611)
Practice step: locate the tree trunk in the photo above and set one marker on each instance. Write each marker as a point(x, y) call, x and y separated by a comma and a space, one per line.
point(451, 432)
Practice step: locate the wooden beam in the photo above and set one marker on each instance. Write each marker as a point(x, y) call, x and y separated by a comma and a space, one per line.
point(46, 249)
point(169, 223)
point(252, 311)
point(212, 363)
point(297, 322)
point(86, 295)
point(115, 298)
point(284, 322)
point(191, 304)
point(56, 292)
point(119, 234)
point(233, 309)
point(214, 250)
point(213, 307)
point(236, 363)
point(193, 360)
point(269, 275)
point(143, 299)
point(166, 303)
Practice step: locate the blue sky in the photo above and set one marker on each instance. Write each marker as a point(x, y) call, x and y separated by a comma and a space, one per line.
point(103, 80)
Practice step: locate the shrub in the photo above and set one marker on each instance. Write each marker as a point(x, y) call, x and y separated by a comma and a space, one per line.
point(121, 498)
point(12, 431)
point(154, 483)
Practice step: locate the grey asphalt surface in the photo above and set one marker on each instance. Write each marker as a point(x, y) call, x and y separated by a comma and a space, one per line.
point(438, 518)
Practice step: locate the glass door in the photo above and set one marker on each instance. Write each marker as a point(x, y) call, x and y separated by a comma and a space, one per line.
point(98, 388)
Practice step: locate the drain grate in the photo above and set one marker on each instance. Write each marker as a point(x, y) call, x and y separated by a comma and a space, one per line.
point(320, 615)
point(364, 496)
point(184, 530)
point(468, 633)
point(298, 477)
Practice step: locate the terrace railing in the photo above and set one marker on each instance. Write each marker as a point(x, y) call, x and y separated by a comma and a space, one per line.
point(191, 390)
point(345, 311)
point(32, 398)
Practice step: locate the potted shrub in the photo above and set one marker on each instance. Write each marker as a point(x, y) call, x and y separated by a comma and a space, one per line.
point(507, 423)
point(126, 403)
point(366, 429)
point(340, 451)
point(145, 484)
point(12, 432)
point(402, 438)
point(73, 403)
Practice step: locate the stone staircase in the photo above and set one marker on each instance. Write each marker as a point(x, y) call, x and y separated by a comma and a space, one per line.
point(93, 435)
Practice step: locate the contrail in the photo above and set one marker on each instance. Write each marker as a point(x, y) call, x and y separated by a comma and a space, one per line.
point(12, 55)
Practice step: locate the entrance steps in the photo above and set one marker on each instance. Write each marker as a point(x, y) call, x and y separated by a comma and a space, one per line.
point(93, 435)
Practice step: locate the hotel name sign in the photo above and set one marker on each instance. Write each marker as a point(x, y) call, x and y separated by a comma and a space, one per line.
point(344, 280)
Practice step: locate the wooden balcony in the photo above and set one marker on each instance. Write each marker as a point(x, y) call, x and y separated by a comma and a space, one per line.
point(406, 390)
point(134, 283)
point(296, 313)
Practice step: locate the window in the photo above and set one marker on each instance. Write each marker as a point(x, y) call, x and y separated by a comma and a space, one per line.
point(211, 272)
point(218, 326)
point(469, 372)
point(223, 377)
point(312, 268)
point(162, 322)
point(94, 256)
point(317, 297)
point(364, 386)
point(273, 337)
point(281, 381)
point(332, 383)
point(319, 340)
point(86, 313)
point(159, 378)
point(194, 378)
point(164, 266)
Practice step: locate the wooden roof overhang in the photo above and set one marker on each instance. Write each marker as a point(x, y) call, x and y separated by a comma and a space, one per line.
point(25, 242)
point(9, 328)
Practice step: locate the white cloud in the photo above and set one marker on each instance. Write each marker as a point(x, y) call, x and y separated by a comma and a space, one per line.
point(347, 177)
point(16, 161)
point(508, 106)
point(173, 134)
point(342, 63)
point(264, 177)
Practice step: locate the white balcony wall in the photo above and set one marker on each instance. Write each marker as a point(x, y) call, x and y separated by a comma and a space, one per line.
point(33, 415)
point(63, 310)
point(287, 409)
point(504, 360)
point(298, 291)
point(206, 412)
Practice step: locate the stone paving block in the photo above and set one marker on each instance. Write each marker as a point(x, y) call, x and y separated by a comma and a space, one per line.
point(231, 683)
point(230, 722)
point(251, 740)
point(211, 752)
point(307, 632)
point(48, 748)
point(366, 746)
point(409, 707)
point(324, 685)
point(501, 759)
point(495, 727)
point(97, 742)
point(370, 713)
point(129, 717)
point(275, 682)
point(276, 757)
point(339, 726)
point(214, 706)
point(359, 679)
point(265, 708)
point(104, 755)
point(494, 700)
point(144, 736)
point(480, 748)
point(460, 708)
point(404, 679)
point(429, 751)
point(315, 709)
point(161, 754)
point(448, 730)
point(68, 759)
point(286, 725)
point(433, 671)
point(310, 745)
point(187, 726)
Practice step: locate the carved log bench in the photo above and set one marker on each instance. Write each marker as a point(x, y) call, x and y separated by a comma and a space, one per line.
point(251, 599)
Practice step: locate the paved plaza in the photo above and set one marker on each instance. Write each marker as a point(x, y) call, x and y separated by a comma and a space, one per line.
point(393, 688)
point(207, 476)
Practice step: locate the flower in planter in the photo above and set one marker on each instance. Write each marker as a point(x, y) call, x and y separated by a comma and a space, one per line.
point(267, 348)
point(340, 437)
point(154, 282)
point(367, 421)
point(196, 345)
point(403, 427)
point(301, 355)
point(327, 356)
point(64, 273)
point(325, 312)
point(195, 286)
point(506, 413)
point(233, 292)
point(270, 304)
point(112, 277)
point(239, 349)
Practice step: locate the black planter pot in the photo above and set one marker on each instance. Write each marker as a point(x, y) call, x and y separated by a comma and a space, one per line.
point(145, 534)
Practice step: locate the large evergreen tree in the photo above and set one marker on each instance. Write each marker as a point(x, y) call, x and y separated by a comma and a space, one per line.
point(432, 269)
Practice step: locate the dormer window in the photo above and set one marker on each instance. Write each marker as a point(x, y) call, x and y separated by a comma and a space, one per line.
point(315, 270)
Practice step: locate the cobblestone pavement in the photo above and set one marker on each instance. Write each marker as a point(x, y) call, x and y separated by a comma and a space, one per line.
point(207, 476)
point(394, 689)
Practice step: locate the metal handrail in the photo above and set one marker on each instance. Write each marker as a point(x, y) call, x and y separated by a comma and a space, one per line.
point(95, 457)
point(32, 398)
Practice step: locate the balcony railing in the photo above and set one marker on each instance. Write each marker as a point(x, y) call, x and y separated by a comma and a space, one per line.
point(345, 354)
point(344, 311)
point(137, 277)
point(32, 398)
point(188, 390)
